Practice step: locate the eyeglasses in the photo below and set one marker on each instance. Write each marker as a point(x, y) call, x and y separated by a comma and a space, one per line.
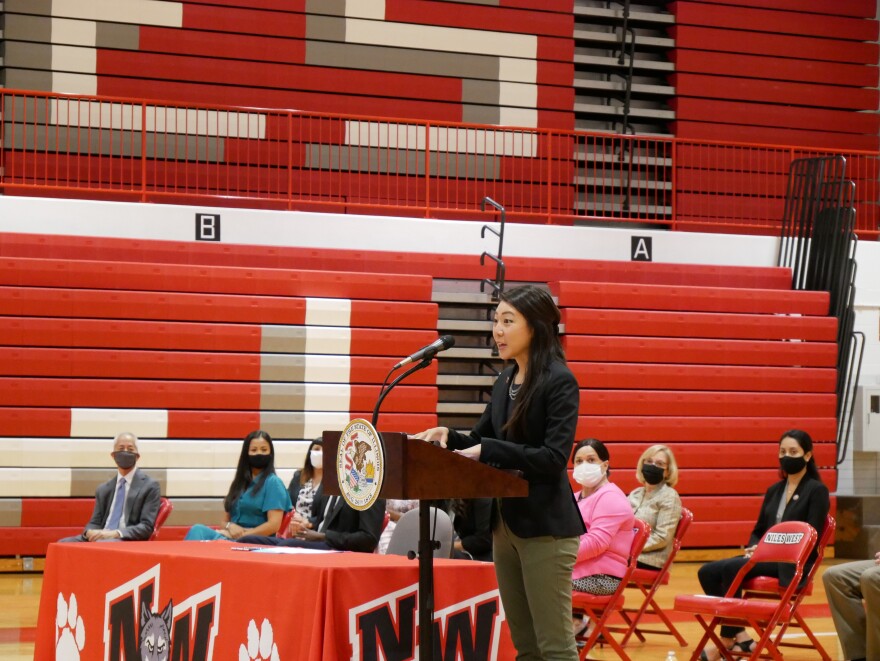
point(658, 464)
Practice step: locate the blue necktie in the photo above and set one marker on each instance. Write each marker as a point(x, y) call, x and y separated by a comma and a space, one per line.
point(116, 514)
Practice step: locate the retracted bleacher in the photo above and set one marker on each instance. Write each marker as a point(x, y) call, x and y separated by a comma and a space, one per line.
point(193, 346)
point(716, 372)
point(191, 358)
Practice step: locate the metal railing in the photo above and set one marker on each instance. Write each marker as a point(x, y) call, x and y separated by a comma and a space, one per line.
point(128, 149)
point(497, 284)
point(818, 243)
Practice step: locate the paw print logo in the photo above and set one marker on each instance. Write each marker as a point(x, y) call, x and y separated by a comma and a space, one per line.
point(70, 632)
point(260, 644)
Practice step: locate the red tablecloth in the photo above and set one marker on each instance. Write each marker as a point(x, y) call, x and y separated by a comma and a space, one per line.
point(229, 604)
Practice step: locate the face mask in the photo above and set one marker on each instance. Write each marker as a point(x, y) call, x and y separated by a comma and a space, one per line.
point(588, 475)
point(317, 458)
point(125, 459)
point(259, 461)
point(792, 465)
point(652, 474)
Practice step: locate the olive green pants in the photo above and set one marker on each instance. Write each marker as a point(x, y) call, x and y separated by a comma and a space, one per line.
point(534, 579)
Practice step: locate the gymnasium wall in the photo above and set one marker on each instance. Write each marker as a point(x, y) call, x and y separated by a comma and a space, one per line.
point(508, 63)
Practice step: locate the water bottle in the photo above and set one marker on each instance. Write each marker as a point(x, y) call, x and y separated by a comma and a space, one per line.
point(671, 656)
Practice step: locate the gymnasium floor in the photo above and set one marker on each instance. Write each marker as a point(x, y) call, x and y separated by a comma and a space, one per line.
point(20, 596)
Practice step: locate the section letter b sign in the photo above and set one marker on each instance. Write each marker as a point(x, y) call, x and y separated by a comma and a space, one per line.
point(207, 227)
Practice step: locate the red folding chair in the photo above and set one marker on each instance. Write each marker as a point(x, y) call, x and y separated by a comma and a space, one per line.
point(789, 542)
point(284, 528)
point(599, 608)
point(763, 587)
point(165, 508)
point(648, 581)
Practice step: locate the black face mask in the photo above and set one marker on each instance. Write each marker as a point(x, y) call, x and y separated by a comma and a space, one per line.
point(125, 459)
point(652, 474)
point(792, 465)
point(259, 461)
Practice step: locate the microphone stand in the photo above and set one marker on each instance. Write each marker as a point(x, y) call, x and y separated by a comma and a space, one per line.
point(387, 390)
point(426, 542)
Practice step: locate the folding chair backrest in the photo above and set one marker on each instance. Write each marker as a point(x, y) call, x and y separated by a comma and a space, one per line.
point(821, 545)
point(687, 517)
point(684, 522)
point(405, 536)
point(165, 507)
point(790, 542)
point(284, 528)
point(641, 532)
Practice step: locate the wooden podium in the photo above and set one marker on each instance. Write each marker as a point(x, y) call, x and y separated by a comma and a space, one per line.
point(416, 470)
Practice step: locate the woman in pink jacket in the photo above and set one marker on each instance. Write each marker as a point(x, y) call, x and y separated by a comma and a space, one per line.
point(604, 549)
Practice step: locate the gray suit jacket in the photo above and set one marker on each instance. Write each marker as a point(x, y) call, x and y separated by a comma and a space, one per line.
point(141, 507)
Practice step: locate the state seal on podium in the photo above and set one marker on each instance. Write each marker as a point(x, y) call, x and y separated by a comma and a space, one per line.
point(360, 464)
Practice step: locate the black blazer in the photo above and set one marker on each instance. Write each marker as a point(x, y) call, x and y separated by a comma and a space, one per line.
point(474, 528)
point(809, 503)
point(294, 487)
point(542, 456)
point(349, 529)
point(141, 506)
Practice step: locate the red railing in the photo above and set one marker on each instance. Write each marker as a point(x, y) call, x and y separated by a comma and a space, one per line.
point(114, 148)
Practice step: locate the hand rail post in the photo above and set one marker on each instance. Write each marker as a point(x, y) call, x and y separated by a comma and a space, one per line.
point(143, 151)
point(289, 160)
point(500, 270)
point(428, 170)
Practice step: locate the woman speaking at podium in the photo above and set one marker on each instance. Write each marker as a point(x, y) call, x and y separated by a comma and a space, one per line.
point(529, 425)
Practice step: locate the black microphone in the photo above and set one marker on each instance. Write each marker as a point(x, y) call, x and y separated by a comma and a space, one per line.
point(428, 352)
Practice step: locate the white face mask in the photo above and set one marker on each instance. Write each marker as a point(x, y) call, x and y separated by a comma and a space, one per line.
point(588, 475)
point(317, 458)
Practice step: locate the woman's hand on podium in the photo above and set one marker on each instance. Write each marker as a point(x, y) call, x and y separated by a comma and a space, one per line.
point(473, 452)
point(434, 435)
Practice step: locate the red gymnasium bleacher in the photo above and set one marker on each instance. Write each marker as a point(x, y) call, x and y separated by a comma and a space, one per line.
point(193, 346)
point(192, 358)
point(717, 373)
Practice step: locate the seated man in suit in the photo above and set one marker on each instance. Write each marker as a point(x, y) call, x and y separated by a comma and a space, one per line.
point(125, 506)
point(334, 525)
point(853, 591)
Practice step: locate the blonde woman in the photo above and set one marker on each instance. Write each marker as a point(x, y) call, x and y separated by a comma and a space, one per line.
point(657, 503)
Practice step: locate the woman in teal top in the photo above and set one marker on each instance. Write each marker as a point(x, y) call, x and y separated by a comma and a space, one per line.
point(257, 498)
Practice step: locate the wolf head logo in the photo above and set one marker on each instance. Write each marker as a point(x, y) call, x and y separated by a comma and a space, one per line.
point(155, 634)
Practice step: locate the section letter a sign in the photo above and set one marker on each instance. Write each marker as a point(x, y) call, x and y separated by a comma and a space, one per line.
point(641, 249)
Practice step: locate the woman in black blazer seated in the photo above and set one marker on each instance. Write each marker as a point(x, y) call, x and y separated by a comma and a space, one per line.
point(529, 425)
point(799, 496)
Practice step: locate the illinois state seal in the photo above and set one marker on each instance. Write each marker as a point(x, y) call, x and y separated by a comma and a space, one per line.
point(360, 464)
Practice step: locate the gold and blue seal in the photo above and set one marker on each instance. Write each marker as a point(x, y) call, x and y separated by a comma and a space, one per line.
point(360, 464)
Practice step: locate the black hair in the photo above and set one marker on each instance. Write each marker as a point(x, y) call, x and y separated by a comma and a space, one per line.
point(542, 316)
point(806, 442)
point(598, 446)
point(308, 471)
point(243, 477)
